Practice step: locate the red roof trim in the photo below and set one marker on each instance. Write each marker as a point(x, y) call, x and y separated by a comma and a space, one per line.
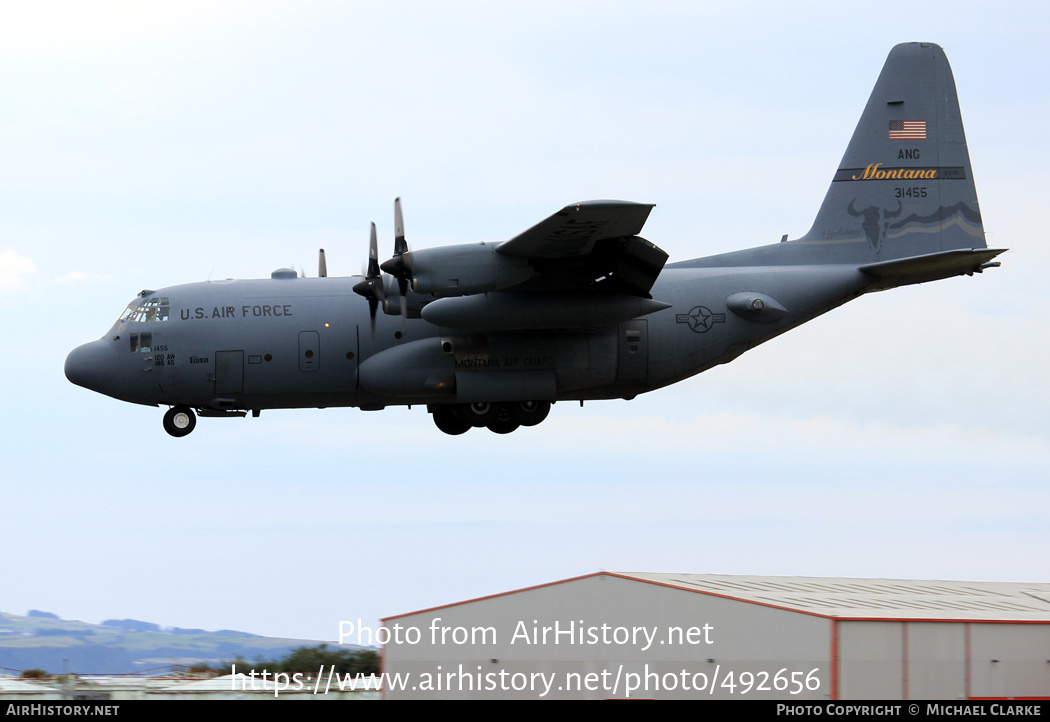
point(720, 596)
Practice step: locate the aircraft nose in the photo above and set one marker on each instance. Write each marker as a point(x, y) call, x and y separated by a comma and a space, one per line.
point(91, 365)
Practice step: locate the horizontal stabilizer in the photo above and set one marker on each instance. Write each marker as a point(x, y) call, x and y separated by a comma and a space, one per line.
point(932, 266)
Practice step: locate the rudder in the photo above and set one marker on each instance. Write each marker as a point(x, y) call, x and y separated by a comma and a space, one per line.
point(904, 186)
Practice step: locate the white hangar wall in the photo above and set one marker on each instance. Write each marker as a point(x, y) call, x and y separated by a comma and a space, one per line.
point(889, 659)
point(744, 638)
point(1010, 660)
point(676, 637)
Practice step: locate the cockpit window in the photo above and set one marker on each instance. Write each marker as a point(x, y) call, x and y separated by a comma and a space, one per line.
point(141, 342)
point(150, 310)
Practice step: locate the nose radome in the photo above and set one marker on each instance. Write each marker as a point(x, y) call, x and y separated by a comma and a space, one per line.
point(91, 365)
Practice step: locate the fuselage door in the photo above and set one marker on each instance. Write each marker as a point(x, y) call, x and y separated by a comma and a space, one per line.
point(309, 351)
point(633, 351)
point(229, 372)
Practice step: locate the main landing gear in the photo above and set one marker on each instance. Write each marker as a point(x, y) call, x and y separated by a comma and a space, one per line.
point(453, 419)
point(458, 419)
point(179, 420)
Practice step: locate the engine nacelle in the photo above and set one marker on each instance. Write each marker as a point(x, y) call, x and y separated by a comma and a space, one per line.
point(464, 269)
point(510, 311)
point(418, 369)
point(414, 302)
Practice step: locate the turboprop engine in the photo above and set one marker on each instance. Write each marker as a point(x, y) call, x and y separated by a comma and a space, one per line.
point(462, 270)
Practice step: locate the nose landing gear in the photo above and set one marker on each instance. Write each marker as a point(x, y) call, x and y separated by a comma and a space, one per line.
point(179, 420)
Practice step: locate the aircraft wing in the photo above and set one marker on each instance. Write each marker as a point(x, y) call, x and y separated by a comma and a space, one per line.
point(590, 245)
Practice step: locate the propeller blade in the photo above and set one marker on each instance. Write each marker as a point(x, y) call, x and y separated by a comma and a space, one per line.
point(400, 245)
point(400, 249)
point(322, 267)
point(372, 285)
point(396, 266)
point(373, 257)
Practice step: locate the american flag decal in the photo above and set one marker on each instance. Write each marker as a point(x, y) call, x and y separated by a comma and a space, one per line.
point(907, 130)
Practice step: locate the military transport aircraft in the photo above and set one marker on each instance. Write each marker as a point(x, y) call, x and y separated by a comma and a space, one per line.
point(578, 307)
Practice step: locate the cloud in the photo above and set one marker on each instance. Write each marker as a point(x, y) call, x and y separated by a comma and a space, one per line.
point(14, 268)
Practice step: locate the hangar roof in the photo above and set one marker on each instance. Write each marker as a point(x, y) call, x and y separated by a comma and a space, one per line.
point(847, 598)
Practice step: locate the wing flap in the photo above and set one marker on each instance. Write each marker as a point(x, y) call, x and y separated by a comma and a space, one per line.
point(574, 230)
point(588, 247)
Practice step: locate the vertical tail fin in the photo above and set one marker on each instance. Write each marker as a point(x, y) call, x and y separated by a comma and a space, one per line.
point(904, 187)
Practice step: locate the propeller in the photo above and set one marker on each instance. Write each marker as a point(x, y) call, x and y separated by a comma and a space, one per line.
point(396, 266)
point(372, 285)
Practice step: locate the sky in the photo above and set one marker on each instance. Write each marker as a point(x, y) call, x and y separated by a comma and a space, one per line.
point(142, 145)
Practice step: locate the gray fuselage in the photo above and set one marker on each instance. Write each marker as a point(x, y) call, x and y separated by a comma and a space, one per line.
point(307, 342)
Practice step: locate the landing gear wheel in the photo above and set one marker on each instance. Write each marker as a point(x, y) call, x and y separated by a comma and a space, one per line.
point(179, 421)
point(450, 420)
point(478, 415)
point(504, 421)
point(530, 413)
